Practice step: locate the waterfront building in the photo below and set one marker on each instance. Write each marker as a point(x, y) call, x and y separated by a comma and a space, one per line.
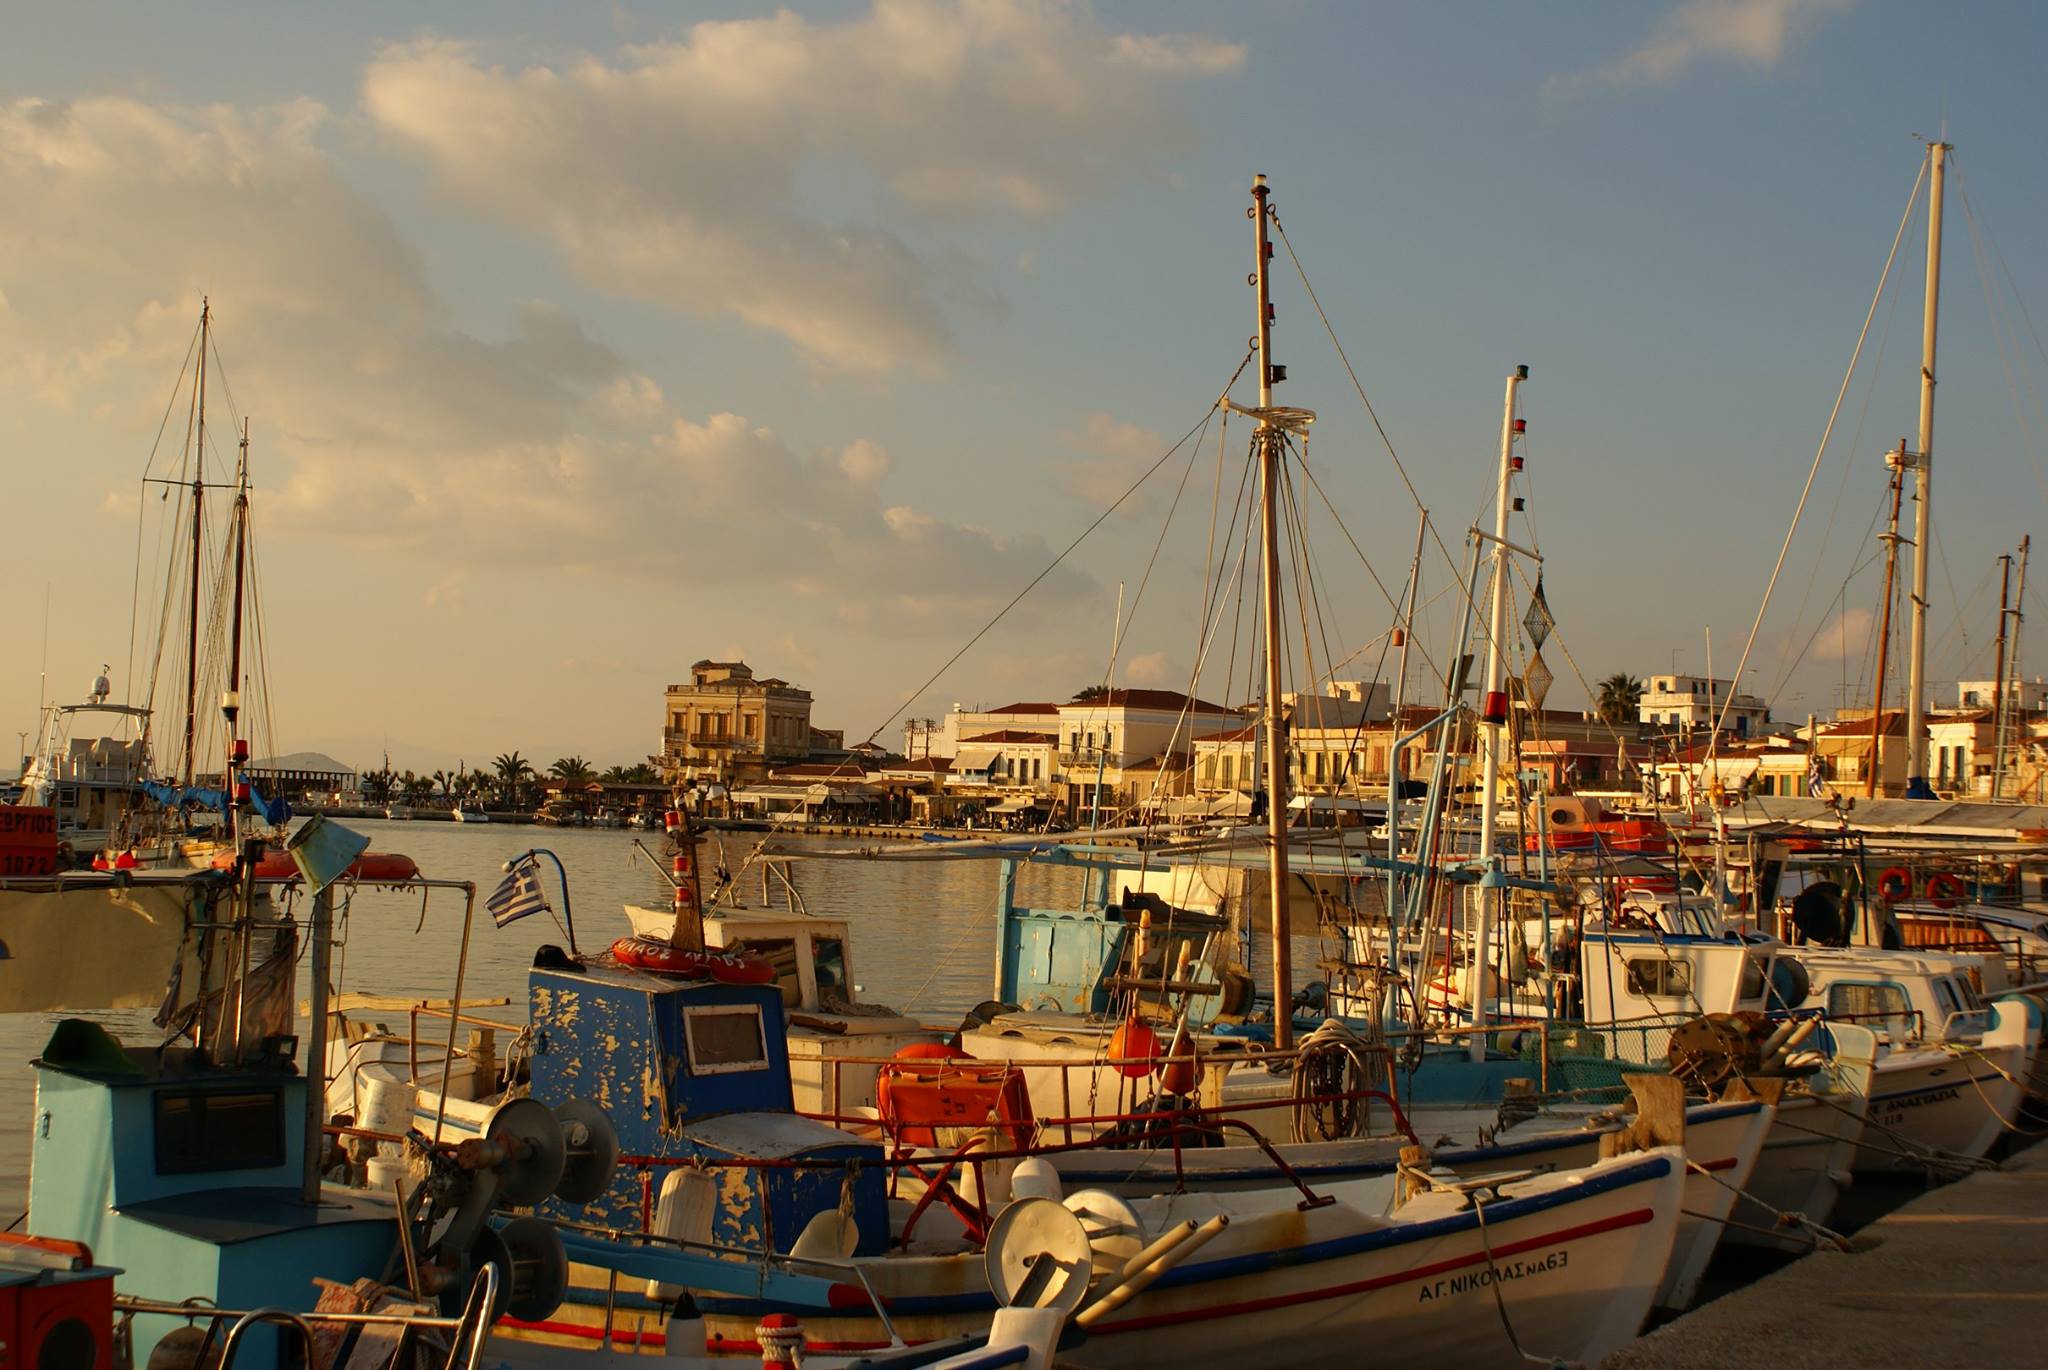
point(1101, 737)
point(927, 737)
point(1686, 702)
point(2028, 696)
point(727, 727)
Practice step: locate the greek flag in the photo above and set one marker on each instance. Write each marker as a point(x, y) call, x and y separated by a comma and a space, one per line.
point(1816, 783)
point(518, 895)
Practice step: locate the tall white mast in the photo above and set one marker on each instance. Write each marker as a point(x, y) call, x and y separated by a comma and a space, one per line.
point(1923, 510)
point(1270, 439)
point(1493, 719)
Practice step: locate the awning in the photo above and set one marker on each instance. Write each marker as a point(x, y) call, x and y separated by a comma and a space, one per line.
point(975, 758)
point(1017, 803)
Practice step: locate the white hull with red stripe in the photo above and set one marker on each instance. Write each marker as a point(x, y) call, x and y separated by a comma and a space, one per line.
point(1573, 1260)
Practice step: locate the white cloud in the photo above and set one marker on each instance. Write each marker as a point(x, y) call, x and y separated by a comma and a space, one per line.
point(668, 171)
point(1114, 454)
point(1848, 636)
point(864, 462)
point(380, 423)
point(1151, 669)
point(1755, 33)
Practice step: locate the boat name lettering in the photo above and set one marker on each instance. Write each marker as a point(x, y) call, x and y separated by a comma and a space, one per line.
point(1485, 1276)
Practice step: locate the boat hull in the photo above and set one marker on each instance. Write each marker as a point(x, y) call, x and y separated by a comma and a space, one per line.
point(1574, 1260)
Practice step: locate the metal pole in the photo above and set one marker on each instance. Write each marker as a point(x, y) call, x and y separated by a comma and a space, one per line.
point(1923, 514)
point(316, 1044)
point(1493, 716)
point(1269, 439)
point(454, 1011)
point(1406, 623)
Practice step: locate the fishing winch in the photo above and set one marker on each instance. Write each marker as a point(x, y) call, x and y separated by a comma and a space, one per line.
point(526, 1153)
point(1710, 1052)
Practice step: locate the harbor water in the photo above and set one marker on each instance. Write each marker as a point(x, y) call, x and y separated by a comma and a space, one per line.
point(923, 933)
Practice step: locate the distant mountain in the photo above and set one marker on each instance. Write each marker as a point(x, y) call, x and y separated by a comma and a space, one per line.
point(301, 761)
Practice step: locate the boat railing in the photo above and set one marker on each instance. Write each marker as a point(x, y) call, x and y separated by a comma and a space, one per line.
point(468, 1331)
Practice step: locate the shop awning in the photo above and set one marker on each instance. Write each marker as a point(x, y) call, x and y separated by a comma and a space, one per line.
point(975, 758)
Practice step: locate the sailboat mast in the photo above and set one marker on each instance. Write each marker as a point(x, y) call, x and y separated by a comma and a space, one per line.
point(1897, 461)
point(198, 528)
point(1270, 439)
point(1923, 514)
point(231, 701)
point(1493, 719)
point(1998, 676)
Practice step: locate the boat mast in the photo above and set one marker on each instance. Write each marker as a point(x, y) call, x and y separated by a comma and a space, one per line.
point(1270, 439)
point(2008, 667)
point(1897, 462)
point(1493, 719)
point(1923, 514)
point(198, 527)
point(1998, 672)
point(231, 701)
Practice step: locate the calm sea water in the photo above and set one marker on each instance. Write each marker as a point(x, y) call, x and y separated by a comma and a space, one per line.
point(923, 934)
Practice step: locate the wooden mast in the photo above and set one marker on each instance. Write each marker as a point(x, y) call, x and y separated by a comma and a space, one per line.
point(198, 529)
point(1271, 439)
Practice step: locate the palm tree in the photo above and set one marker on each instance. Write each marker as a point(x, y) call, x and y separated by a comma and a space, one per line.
point(512, 770)
point(640, 773)
point(376, 786)
point(1621, 697)
point(1088, 694)
point(571, 770)
point(615, 775)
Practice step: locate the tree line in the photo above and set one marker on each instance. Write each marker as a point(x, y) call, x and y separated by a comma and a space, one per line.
point(510, 780)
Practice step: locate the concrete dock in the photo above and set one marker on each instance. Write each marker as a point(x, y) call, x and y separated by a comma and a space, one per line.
point(1957, 1277)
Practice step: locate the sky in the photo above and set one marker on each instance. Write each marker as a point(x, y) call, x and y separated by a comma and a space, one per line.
point(582, 342)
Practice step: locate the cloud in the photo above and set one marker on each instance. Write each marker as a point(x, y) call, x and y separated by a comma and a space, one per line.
point(1847, 636)
point(1755, 33)
point(669, 171)
point(379, 423)
point(1115, 454)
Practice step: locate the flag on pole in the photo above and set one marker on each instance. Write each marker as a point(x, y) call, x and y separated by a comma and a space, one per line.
point(518, 894)
point(1816, 783)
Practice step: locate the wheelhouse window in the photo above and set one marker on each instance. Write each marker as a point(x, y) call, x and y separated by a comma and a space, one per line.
point(202, 1130)
point(1653, 977)
point(1882, 1006)
point(724, 1038)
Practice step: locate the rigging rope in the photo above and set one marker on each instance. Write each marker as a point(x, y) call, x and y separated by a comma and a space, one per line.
point(1721, 721)
point(1055, 563)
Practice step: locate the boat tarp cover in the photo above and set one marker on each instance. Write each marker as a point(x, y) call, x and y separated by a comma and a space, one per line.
point(102, 947)
point(172, 797)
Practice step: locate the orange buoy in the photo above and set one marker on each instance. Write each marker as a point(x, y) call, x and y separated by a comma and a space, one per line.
point(1182, 1067)
point(1134, 1048)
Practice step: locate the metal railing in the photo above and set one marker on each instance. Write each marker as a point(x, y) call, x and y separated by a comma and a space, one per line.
point(470, 1329)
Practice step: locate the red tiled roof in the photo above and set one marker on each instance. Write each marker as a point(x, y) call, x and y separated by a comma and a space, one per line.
point(1173, 701)
point(1027, 707)
point(1012, 735)
point(1244, 734)
point(1892, 724)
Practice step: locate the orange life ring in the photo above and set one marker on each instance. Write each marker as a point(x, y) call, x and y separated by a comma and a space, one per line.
point(1946, 889)
point(1894, 884)
point(726, 967)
